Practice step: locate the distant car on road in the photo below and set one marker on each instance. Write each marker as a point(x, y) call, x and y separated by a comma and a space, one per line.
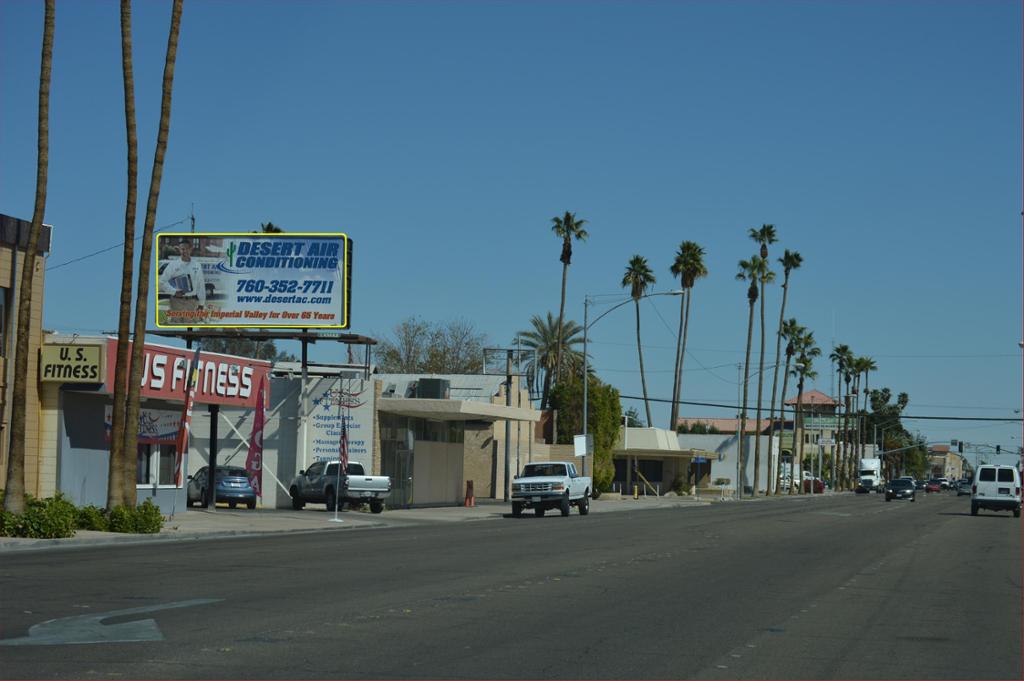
point(933, 486)
point(963, 487)
point(900, 489)
point(233, 487)
point(943, 483)
point(919, 484)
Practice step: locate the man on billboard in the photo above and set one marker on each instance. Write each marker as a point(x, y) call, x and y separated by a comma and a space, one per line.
point(183, 280)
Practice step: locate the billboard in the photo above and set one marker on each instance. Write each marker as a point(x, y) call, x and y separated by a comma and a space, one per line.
point(253, 280)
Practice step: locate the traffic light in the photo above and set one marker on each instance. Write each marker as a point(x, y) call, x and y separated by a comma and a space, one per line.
point(960, 445)
point(997, 449)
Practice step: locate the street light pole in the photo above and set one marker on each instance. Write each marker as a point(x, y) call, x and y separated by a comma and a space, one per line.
point(586, 328)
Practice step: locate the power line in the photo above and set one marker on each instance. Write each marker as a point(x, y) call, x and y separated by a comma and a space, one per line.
point(110, 248)
point(902, 416)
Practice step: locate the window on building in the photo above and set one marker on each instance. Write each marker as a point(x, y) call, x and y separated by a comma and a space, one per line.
point(155, 464)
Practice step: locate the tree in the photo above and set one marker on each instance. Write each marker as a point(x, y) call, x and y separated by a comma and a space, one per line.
point(142, 289)
point(604, 417)
point(566, 228)
point(633, 419)
point(804, 369)
point(543, 339)
point(763, 236)
point(792, 332)
point(750, 270)
point(688, 266)
point(790, 261)
point(14, 496)
point(418, 346)
point(638, 278)
point(116, 471)
point(841, 355)
point(270, 228)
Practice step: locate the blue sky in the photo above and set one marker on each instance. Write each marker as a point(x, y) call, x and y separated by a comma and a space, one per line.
point(882, 139)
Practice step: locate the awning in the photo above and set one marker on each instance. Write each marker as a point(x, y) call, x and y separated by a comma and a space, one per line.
point(455, 410)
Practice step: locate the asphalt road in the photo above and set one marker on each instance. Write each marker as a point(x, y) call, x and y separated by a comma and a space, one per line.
point(842, 587)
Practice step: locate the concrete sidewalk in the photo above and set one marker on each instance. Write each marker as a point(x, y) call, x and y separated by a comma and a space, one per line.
point(199, 524)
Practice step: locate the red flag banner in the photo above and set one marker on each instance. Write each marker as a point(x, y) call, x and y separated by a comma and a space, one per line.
point(184, 432)
point(254, 462)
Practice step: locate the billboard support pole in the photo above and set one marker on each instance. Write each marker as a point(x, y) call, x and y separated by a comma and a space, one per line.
point(303, 407)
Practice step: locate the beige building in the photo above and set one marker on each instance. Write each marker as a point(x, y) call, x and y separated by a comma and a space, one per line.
point(40, 466)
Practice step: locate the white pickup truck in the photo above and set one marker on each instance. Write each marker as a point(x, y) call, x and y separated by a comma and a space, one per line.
point(321, 484)
point(552, 484)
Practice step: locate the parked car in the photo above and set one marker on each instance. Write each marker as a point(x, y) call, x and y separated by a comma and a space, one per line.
point(321, 482)
point(933, 486)
point(943, 483)
point(819, 486)
point(233, 486)
point(996, 488)
point(963, 487)
point(552, 484)
point(900, 489)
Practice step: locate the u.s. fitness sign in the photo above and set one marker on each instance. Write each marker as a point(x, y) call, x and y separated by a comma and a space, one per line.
point(253, 280)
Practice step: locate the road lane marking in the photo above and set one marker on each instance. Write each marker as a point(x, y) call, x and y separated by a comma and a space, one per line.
point(90, 628)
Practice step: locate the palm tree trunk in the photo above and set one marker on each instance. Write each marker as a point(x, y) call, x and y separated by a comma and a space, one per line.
point(743, 410)
point(14, 494)
point(640, 352)
point(561, 316)
point(775, 382)
point(782, 417)
point(674, 412)
point(760, 385)
point(800, 445)
point(116, 474)
point(141, 312)
point(848, 455)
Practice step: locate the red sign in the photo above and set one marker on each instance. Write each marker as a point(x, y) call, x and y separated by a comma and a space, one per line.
point(221, 379)
point(254, 461)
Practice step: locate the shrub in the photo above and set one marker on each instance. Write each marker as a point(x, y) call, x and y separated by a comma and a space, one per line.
point(122, 519)
point(43, 519)
point(679, 484)
point(144, 519)
point(93, 518)
point(148, 519)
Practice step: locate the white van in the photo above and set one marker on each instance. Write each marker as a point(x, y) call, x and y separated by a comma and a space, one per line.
point(996, 488)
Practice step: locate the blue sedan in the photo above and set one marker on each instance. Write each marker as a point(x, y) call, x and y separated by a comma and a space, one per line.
point(233, 487)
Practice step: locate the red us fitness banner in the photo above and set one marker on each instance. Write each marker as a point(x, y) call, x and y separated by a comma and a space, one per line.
point(222, 379)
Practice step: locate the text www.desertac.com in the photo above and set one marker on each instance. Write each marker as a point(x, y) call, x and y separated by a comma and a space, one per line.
point(297, 300)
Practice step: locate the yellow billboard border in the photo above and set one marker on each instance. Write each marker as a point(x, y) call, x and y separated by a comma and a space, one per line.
point(259, 235)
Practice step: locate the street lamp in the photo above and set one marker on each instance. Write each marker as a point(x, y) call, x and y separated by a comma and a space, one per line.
point(586, 328)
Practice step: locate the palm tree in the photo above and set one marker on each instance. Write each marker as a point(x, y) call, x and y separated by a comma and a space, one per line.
point(840, 355)
point(637, 279)
point(14, 496)
point(750, 270)
point(566, 228)
point(116, 472)
point(792, 333)
point(688, 266)
point(763, 236)
point(869, 366)
point(542, 338)
point(270, 228)
point(142, 291)
point(803, 369)
point(790, 261)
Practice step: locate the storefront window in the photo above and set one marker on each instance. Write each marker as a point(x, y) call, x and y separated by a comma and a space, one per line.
point(155, 464)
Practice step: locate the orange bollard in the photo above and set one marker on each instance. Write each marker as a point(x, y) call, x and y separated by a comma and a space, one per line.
point(470, 499)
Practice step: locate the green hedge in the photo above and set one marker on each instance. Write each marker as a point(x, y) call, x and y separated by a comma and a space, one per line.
point(57, 517)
